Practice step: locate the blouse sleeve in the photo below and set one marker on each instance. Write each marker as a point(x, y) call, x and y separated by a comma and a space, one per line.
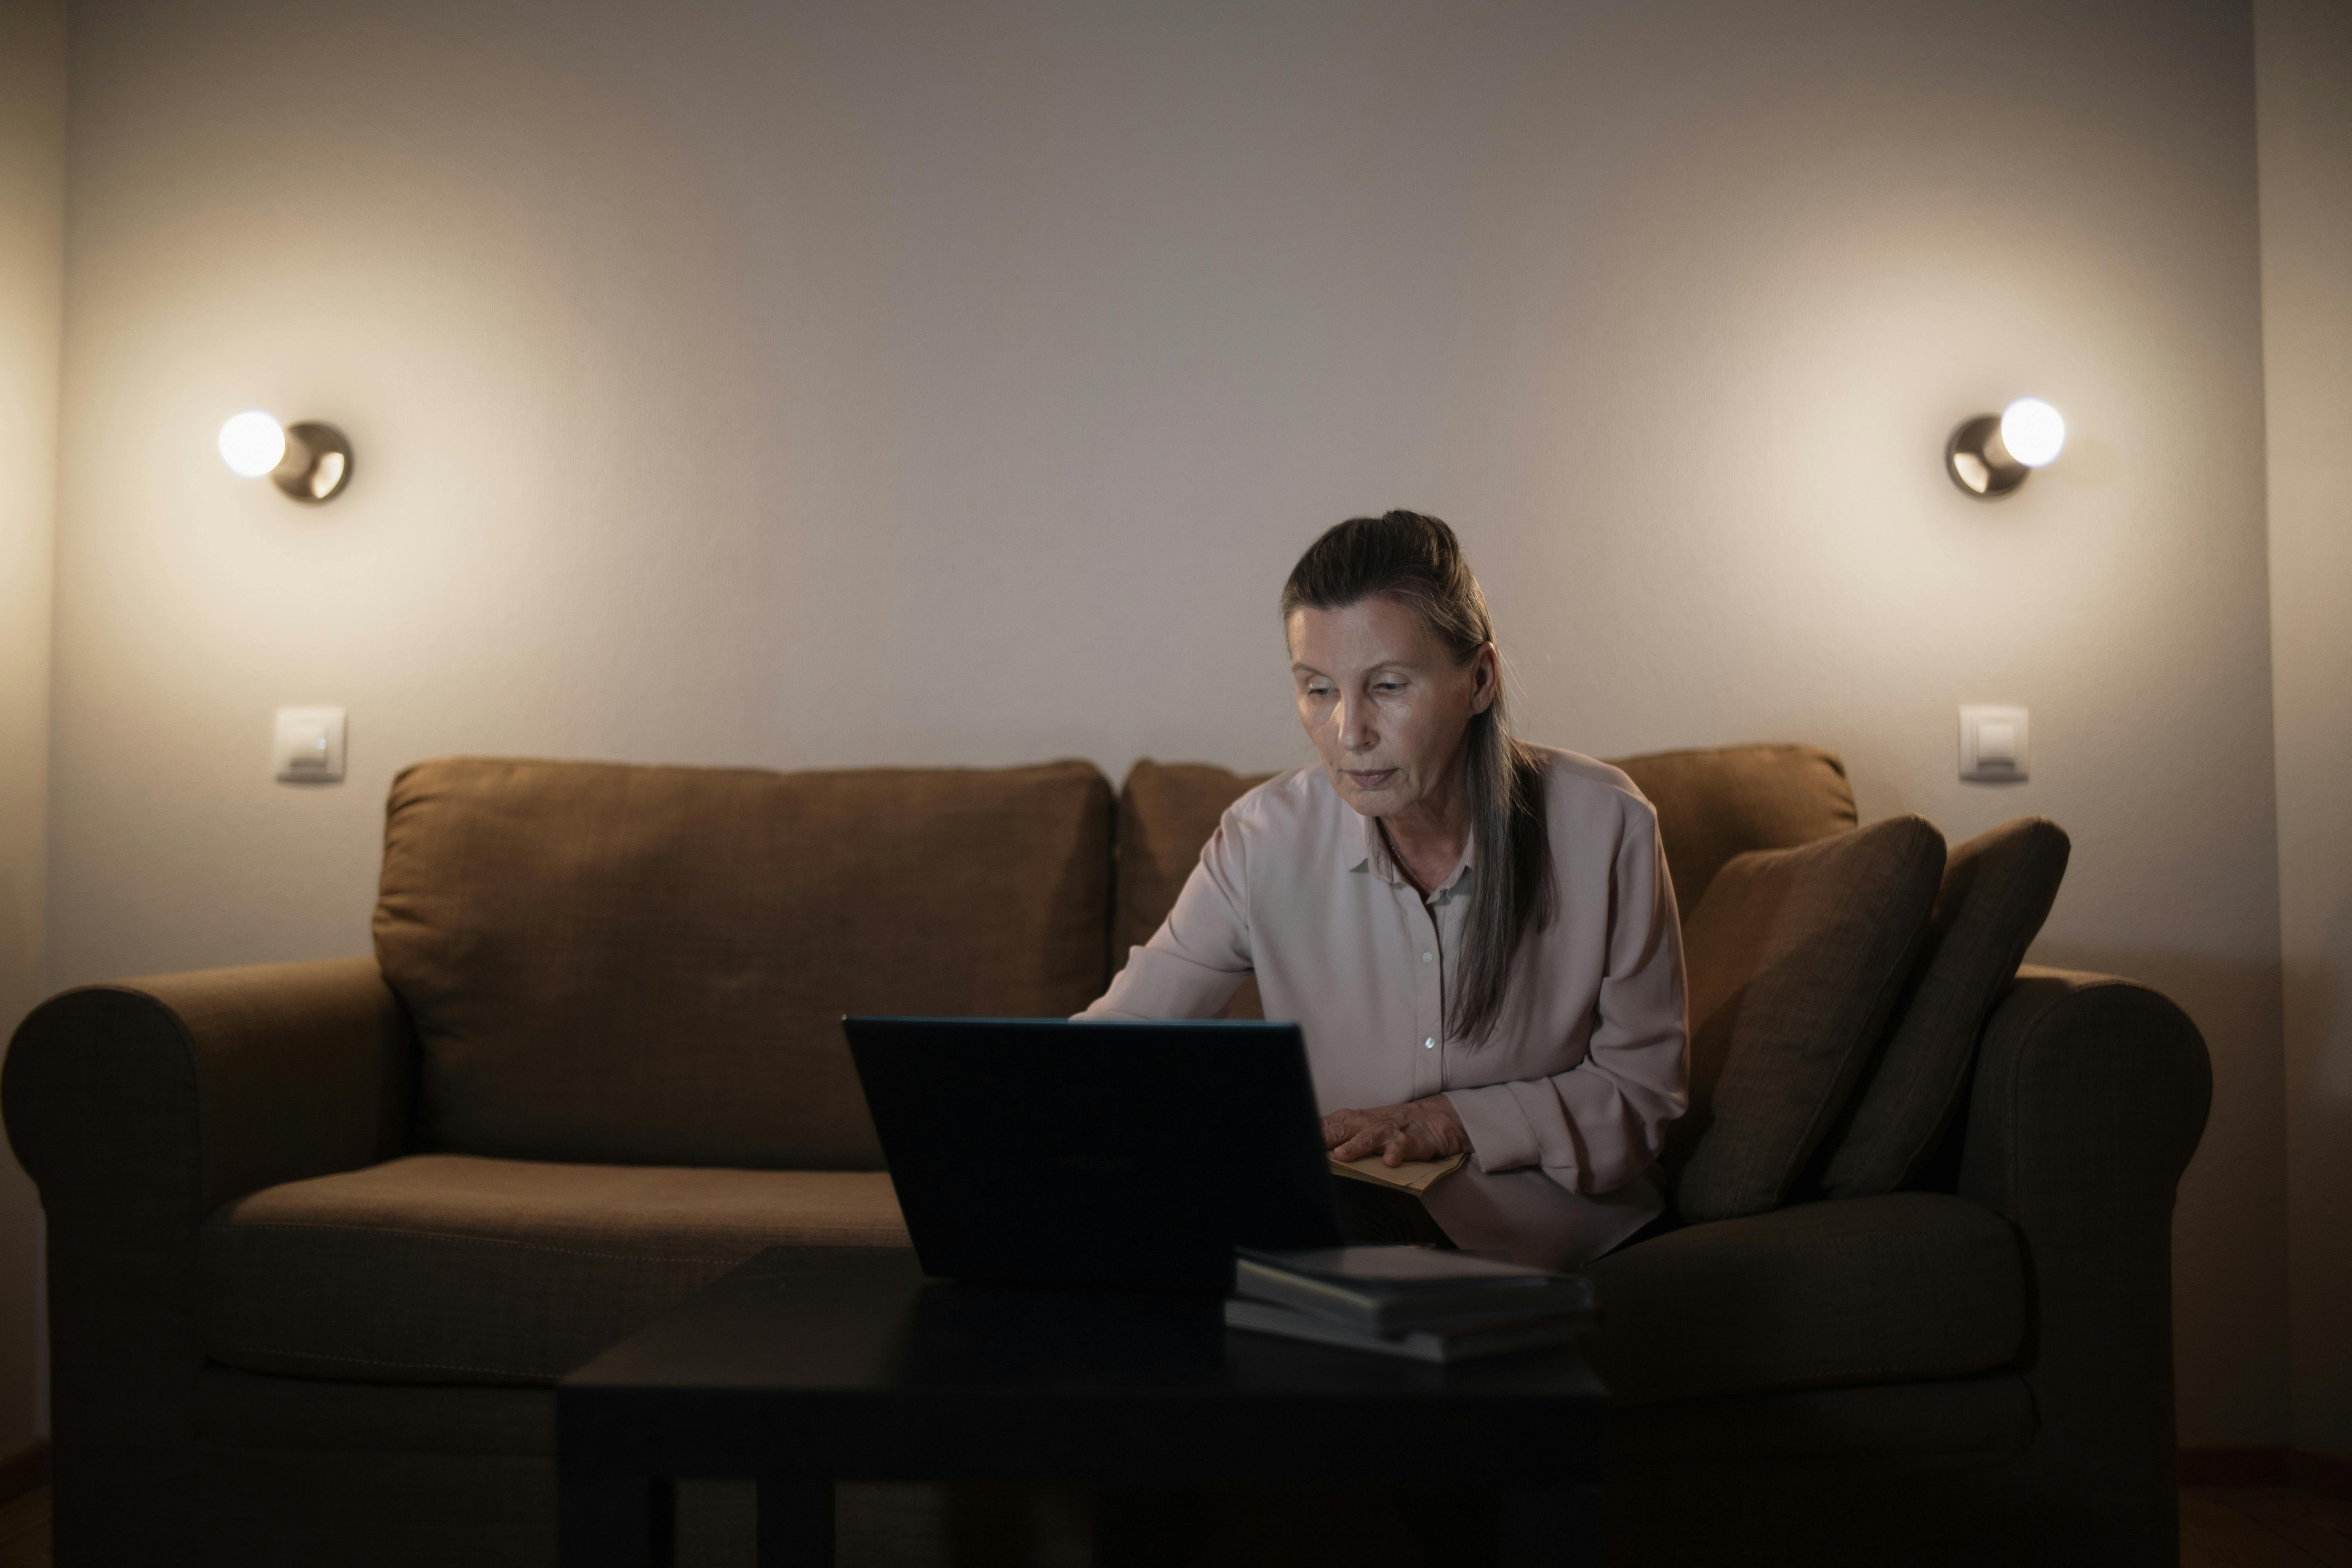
point(1602, 1122)
point(1201, 954)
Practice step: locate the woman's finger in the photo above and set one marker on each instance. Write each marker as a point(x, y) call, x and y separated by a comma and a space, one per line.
point(1354, 1134)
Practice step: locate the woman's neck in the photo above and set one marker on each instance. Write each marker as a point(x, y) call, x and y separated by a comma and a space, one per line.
point(1426, 838)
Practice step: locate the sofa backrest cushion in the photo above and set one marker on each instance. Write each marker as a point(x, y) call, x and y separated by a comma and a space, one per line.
point(1711, 805)
point(1795, 958)
point(649, 965)
point(1998, 889)
point(1727, 800)
point(1166, 813)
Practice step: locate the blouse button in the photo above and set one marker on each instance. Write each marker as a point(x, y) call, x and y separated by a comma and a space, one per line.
point(1428, 958)
point(1430, 1044)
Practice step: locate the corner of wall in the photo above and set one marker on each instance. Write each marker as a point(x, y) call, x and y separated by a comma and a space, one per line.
point(32, 266)
point(2304, 115)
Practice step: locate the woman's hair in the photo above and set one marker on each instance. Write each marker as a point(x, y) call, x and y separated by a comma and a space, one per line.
point(1417, 562)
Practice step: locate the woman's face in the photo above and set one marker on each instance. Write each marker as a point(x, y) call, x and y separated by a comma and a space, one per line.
point(1385, 703)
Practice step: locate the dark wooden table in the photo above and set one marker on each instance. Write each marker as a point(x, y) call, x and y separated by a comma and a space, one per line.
point(811, 1365)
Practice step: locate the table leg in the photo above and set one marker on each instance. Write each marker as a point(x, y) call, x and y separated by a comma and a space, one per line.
point(796, 1523)
point(615, 1521)
point(1557, 1527)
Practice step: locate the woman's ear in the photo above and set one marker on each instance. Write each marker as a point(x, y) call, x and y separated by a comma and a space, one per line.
point(1486, 672)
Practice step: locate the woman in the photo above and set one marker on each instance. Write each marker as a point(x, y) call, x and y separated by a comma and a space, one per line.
point(1477, 936)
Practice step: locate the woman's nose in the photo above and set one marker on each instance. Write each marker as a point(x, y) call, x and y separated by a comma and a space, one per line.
point(1355, 734)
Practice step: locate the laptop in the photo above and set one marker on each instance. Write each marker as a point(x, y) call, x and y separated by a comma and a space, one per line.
point(1038, 1151)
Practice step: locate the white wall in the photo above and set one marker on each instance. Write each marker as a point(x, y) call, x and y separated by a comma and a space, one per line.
point(925, 383)
point(2306, 60)
point(32, 259)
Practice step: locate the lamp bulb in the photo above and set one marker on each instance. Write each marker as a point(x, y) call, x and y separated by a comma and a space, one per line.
point(2033, 432)
point(252, 443)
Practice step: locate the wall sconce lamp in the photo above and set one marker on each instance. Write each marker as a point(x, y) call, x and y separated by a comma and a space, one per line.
point(1990, 455)
point(310, 462)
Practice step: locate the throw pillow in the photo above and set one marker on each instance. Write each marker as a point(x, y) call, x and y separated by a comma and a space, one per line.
point(1998, 889)
point(1795, 958)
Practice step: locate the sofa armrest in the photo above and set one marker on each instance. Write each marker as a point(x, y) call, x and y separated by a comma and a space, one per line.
point(185, 1091)
point(2090, 1096)
point(138, 1109)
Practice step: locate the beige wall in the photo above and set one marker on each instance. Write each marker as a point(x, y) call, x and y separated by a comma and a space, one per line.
point(2306, 57)
point(32, 221)
point(925, 384)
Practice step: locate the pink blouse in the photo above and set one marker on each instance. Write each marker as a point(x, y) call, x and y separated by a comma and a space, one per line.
point(1566, 1103)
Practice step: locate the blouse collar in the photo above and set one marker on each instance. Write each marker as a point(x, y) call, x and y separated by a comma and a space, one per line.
point(1367, 850)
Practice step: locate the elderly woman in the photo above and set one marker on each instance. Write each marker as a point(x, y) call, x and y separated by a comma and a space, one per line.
point(1477, 935)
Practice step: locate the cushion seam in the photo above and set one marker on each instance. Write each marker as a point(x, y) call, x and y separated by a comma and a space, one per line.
point(372, 1361)
point(475, 1240)
point(1842, 1377)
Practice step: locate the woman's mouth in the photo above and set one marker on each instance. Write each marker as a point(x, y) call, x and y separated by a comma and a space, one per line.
point(1372, 780)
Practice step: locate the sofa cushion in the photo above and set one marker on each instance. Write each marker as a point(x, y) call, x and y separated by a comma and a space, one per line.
point(1990, 1417)
point(1795, 958)
point(457, 1269)
point(650, 965)
point(1166, 813)
point(1723, 801)
point(1890, 1289)
point(1998, 889)
point(1712, 805)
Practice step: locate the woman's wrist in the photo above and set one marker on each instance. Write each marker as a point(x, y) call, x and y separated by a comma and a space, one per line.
point(1445, 1125)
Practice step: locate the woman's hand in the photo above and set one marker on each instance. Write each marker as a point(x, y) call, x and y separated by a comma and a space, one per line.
point(1425, 1130)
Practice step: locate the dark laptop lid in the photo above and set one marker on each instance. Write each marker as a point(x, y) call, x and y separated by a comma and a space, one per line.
point(1141, 1154)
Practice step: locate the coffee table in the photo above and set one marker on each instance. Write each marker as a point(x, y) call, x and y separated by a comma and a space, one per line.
point(810, 1366)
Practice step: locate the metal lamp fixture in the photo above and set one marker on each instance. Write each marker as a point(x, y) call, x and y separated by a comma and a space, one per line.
point(1990, 455)
point(308, 460)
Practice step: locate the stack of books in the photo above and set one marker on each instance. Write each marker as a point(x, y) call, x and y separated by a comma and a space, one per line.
point(1413, 1301)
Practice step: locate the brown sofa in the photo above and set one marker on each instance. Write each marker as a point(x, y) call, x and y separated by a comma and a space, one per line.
point(320, 1236)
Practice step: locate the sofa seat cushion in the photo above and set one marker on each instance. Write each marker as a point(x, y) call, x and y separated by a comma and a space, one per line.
point(456, 1268)
point(1888, 1290)
point(1986, 1417)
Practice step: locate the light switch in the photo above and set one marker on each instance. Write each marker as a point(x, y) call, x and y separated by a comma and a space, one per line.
point(309, 745)
point(1993, 744)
